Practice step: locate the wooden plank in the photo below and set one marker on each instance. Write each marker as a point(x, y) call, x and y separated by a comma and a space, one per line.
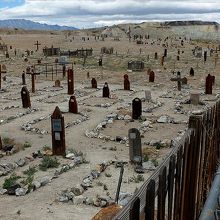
point(171, 185)
point(177, 202)
point(162, 194)
point(150, 201)
point(135, 210)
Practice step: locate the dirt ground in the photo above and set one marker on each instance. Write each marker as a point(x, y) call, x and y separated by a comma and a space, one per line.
point(42, 203)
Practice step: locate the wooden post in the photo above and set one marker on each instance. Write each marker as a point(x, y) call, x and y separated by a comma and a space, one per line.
point(150, 200)
point(135, 210)
point(33, 76)
point(161, 194)
point(25, 97)
point(58, 132)
point(70, 82)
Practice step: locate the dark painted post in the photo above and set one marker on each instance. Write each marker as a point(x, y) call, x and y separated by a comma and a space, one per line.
point(70, 82)
point(58, 132)
point(25, 97)
point(73, 108)
point(136, 108)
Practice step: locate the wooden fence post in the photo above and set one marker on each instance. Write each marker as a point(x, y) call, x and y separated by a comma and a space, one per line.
point(150, 201)
point(135, 210)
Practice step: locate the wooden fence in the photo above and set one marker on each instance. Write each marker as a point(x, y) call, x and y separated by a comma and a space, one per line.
point(177, 190)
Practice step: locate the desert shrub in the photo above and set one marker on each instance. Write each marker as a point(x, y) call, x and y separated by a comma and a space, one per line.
point(48, 162)
point(11, 181)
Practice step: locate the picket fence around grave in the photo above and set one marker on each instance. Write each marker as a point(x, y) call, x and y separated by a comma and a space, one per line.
point(180, 185)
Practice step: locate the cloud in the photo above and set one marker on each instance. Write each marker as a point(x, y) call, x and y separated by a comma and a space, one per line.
point(84, 13)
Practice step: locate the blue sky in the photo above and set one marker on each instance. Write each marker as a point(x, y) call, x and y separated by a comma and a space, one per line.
point(10, 3)
point(93, 13)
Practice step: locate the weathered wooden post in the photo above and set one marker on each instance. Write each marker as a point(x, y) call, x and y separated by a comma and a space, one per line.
point(58, 132)
point(73, 107)
point(135, 150)
point(25, 97)
point(70, 81)
point(136, 108)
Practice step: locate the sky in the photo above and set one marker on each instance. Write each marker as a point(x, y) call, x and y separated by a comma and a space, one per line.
point(95, 13)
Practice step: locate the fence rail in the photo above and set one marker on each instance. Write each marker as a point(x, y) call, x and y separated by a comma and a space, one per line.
point(177, 190)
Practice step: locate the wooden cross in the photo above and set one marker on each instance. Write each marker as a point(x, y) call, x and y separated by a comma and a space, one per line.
point(178, 79)
point(33, 75)
point(37, 44)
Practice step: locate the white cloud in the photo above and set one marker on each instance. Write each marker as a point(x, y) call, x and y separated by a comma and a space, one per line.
point(84, 13)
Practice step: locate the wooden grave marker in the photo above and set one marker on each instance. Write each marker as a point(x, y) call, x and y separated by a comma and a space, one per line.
point(37, 44)
point(23, 78)
point(25, 97)
point(136, 108)
point(73, 107)
point(151, 76)
point(126, 82)
point(179, 80)
point(191, 72)
point(94, 83)
point(33, 76)
point(135, 150)
point(105, 91)
point(209, 83)
point(58, 133)
point(57, 83)
point(70, 82)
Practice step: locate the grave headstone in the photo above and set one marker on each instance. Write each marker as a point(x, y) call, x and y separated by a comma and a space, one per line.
point(191, 72)
point(73, 107)
point(100, 62)
point(105, 91)
point(25, 97)
point(23, 78)
point(205, 56)
point(151, 76)
point(126, 82)
point(209, 84)
point(135, 150)
point(194, 98)
point(147, 95)
point(58, 133)
point(94, 83)
point(57, 83)
point(136, 108)
point(70, 82)
point(165, 52)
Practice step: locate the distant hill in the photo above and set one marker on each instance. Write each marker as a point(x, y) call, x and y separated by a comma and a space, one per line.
point(187, 23)
point(30, 25)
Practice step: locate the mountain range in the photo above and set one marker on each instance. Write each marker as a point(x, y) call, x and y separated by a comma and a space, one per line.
point(30, 25)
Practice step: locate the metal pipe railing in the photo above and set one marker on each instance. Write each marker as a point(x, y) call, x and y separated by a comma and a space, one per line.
point(211, 204)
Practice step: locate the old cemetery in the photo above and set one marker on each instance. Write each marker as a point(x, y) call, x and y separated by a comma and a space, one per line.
point(79, 109)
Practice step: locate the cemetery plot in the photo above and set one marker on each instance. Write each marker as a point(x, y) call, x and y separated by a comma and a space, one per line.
point(42, 125)
point(54, 98)
point(11, 113)
point(99, 102)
